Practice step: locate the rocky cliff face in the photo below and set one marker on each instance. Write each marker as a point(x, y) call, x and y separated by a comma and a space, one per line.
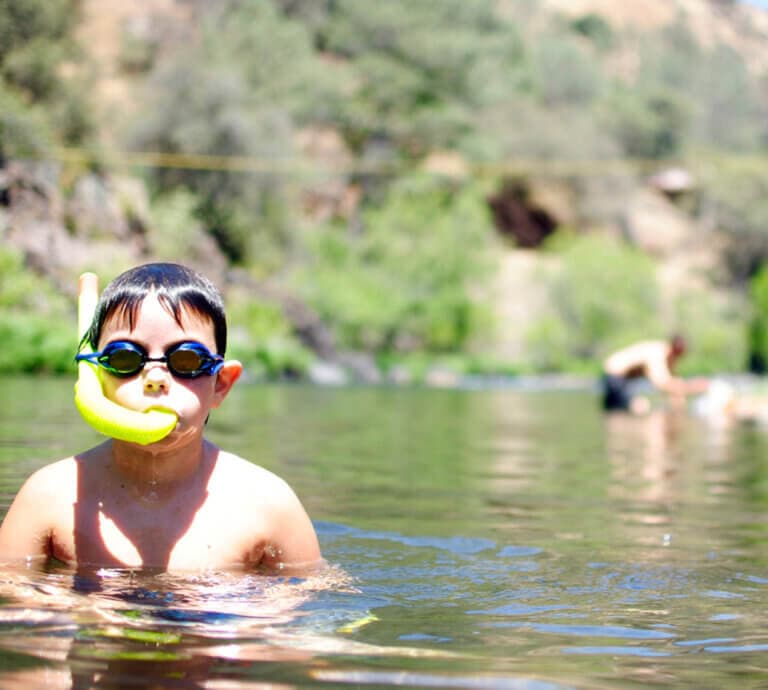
point(102, 223)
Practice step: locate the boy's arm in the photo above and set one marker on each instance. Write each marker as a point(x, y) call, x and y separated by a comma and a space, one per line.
point(26, 529)
point(660, 376)
point(293, 542)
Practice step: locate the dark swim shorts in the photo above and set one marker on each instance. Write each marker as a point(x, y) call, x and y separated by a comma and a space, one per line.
point(617, 394)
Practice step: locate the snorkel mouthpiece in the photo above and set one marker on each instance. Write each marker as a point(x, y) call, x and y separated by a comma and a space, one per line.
point(102, 414)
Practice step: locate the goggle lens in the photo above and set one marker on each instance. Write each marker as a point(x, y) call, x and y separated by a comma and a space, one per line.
point(124, 361)
point(185, 360)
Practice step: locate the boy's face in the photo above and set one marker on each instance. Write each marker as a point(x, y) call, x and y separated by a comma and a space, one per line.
point(156, 330)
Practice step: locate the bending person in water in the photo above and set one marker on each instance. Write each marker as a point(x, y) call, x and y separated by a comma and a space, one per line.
point(653, 360)
point(159, 336)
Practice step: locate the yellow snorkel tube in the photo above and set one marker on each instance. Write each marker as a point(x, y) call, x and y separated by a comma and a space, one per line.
point(102, 414)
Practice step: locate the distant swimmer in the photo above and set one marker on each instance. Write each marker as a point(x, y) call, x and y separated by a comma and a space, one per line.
point(654, 361)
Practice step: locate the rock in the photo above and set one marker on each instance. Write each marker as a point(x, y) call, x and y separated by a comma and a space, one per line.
point(672, 181)
point(327, 374)
point(655, 225)
point(94, 210)
point(361, 366)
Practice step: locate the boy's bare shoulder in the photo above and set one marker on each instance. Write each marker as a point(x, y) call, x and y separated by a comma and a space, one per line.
point(50, 485)
point(235, 474)
point(263, 513)
point(56, 473)
point(232, 465)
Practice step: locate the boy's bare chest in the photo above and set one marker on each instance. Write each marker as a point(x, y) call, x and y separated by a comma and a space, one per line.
point(177, 534)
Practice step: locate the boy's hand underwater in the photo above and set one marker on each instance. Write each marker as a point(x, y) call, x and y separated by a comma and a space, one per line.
point(102, 414)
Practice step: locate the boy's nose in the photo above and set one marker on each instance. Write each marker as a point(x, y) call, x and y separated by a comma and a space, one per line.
point(156, 377)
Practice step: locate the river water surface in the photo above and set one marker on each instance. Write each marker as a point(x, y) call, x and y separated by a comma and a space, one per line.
point(495, 538)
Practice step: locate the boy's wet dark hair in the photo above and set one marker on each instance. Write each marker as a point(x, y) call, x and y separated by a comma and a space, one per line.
point(176, 287)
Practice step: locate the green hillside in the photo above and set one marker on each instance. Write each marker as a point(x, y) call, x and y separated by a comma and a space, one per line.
point(354, 175)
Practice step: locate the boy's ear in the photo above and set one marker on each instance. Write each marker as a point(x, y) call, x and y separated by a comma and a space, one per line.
point(225, 379)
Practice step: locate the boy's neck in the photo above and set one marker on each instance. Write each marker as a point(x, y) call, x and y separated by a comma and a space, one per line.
point(146, 469)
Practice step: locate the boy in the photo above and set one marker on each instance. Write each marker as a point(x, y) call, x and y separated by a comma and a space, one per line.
point(654, 360)
point(178, 503)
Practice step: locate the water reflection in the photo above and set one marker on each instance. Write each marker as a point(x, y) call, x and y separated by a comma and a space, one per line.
point(684, 480)
point(646, 458)
point(109, 628)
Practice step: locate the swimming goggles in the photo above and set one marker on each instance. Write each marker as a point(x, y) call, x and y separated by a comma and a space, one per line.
point(187, 360)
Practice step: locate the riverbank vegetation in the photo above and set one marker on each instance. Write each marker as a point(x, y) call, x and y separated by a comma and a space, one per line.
point(354, 159)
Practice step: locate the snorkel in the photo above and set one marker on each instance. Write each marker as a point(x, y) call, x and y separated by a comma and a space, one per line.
point(102, 414)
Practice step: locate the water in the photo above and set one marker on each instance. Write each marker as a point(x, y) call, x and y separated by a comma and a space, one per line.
point(475, 539)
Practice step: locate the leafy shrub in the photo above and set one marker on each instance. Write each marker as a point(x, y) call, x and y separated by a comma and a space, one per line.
point(728, 116)
point(37, 97)
point(758, 324)
point(735, 195)
point(24, 131)
point(406, 279)
point(647, 122)
point(34, 36)
point(177, 232)
point(35, 343)
point(17, 285)
point(595, 28)
point(565, 73)
point(603, 294)
point(261, 339)
point(37, 330)
point(713, 325)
